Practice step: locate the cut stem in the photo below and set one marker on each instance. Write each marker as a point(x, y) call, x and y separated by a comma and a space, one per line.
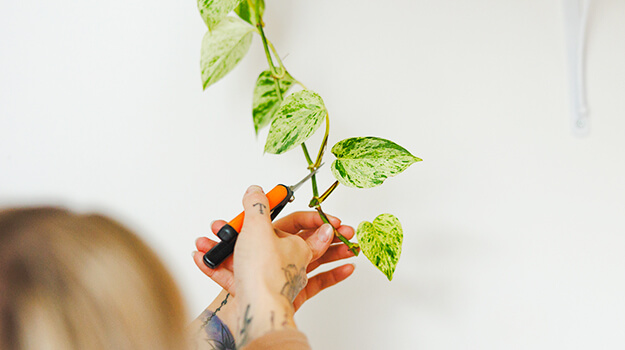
point(328, 191)
point(317, 200)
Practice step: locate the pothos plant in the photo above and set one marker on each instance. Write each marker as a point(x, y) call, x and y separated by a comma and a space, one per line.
point(361, 162)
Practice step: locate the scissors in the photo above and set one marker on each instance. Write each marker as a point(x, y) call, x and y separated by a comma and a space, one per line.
point(278, 198)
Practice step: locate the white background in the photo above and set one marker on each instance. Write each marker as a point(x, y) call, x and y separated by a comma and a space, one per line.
point(514, 229)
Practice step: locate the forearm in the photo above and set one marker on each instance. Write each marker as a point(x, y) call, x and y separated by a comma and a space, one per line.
point(213, 328)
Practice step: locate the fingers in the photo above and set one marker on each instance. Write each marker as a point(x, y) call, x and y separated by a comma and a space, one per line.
point(319, 241)
point(217, 225)
point(220, 275)
point(257, 214)
point(334, 253)
point(346, 231)
point(303, 220)
point(203, 245)
point(322, 281)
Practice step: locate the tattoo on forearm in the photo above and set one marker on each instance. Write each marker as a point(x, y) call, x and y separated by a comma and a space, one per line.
point(245, 326)
point(261, 207)
point(218, 335)
point(208, 318)
point(296, 280)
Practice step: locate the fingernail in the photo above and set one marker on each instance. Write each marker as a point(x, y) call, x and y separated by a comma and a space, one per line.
point(193, 253)
point(253, 188)
point(326, 233)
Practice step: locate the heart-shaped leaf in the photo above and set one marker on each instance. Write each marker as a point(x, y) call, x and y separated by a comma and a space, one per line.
point(381, 241)
point(247, 14)
point(365, 162)
point(223, 48)
point(266, 101)
point(299, 116)
point(213, 11)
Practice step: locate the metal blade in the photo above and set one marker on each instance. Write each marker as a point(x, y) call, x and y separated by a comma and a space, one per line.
point(299, 184)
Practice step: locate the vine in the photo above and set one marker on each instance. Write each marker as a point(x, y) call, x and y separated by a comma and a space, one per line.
point(361, 162)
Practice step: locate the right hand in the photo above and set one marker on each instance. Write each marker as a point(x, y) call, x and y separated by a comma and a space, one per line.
point(303, 224)
point(269, 267)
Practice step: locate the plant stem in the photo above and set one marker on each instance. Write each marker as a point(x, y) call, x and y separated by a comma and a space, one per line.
point(313, 179)
point(328, 191)
point(312, 166)
point(266, 44)
point(352, 246)
point(305, 149)
point(324, 143)
point(260, 25)
point(275, 53)
point(272, 67)
point(317, 200)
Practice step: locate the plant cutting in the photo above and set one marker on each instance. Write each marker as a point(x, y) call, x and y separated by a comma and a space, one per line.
point(293, 117)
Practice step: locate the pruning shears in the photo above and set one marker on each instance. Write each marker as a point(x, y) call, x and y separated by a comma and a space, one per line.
point(278, 198)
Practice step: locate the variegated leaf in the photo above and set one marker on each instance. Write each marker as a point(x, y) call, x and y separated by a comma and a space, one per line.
point(247, 14)
point(266, 100)
point(365, 162)
point(213, 11)
point(381, 242)
point(299, 116)
point(223, 48)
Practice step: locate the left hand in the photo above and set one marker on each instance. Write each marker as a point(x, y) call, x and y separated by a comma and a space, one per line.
point(302, 224)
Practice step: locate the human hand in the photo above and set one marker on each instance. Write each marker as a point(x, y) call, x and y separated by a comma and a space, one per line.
point(269, 271)
point(302, 224)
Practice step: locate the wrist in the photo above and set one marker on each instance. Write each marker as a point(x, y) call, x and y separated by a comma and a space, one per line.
point(225, 307)
point(262, 314)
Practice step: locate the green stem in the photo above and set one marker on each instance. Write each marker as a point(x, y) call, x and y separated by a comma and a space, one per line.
point(317, 200)
point(272, 67)
point(328, 192)
point(313, 179)
point(324, 143)
point(267, 53)
point(305, 149)
point(266, 45)
point(275, 53)
point(352, 246)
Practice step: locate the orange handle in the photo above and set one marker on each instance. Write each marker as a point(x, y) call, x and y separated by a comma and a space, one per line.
point(275, 197)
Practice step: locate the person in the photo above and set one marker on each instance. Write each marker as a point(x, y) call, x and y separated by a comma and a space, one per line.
point(72, 281)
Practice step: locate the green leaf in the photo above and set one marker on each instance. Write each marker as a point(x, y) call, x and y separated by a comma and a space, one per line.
point(223, 48)
point(381, 241)
point(365, 162)
point(213, 11)
point(246, 14)
point(299, 116)
point(266, 101)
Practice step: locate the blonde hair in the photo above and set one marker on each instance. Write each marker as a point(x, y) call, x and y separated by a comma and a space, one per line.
point(70, 281)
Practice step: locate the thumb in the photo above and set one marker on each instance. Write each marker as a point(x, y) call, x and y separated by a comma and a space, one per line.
point(320, 241)
point(257, 213)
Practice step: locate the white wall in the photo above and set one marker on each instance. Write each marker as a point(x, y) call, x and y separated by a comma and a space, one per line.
point(514, 229)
